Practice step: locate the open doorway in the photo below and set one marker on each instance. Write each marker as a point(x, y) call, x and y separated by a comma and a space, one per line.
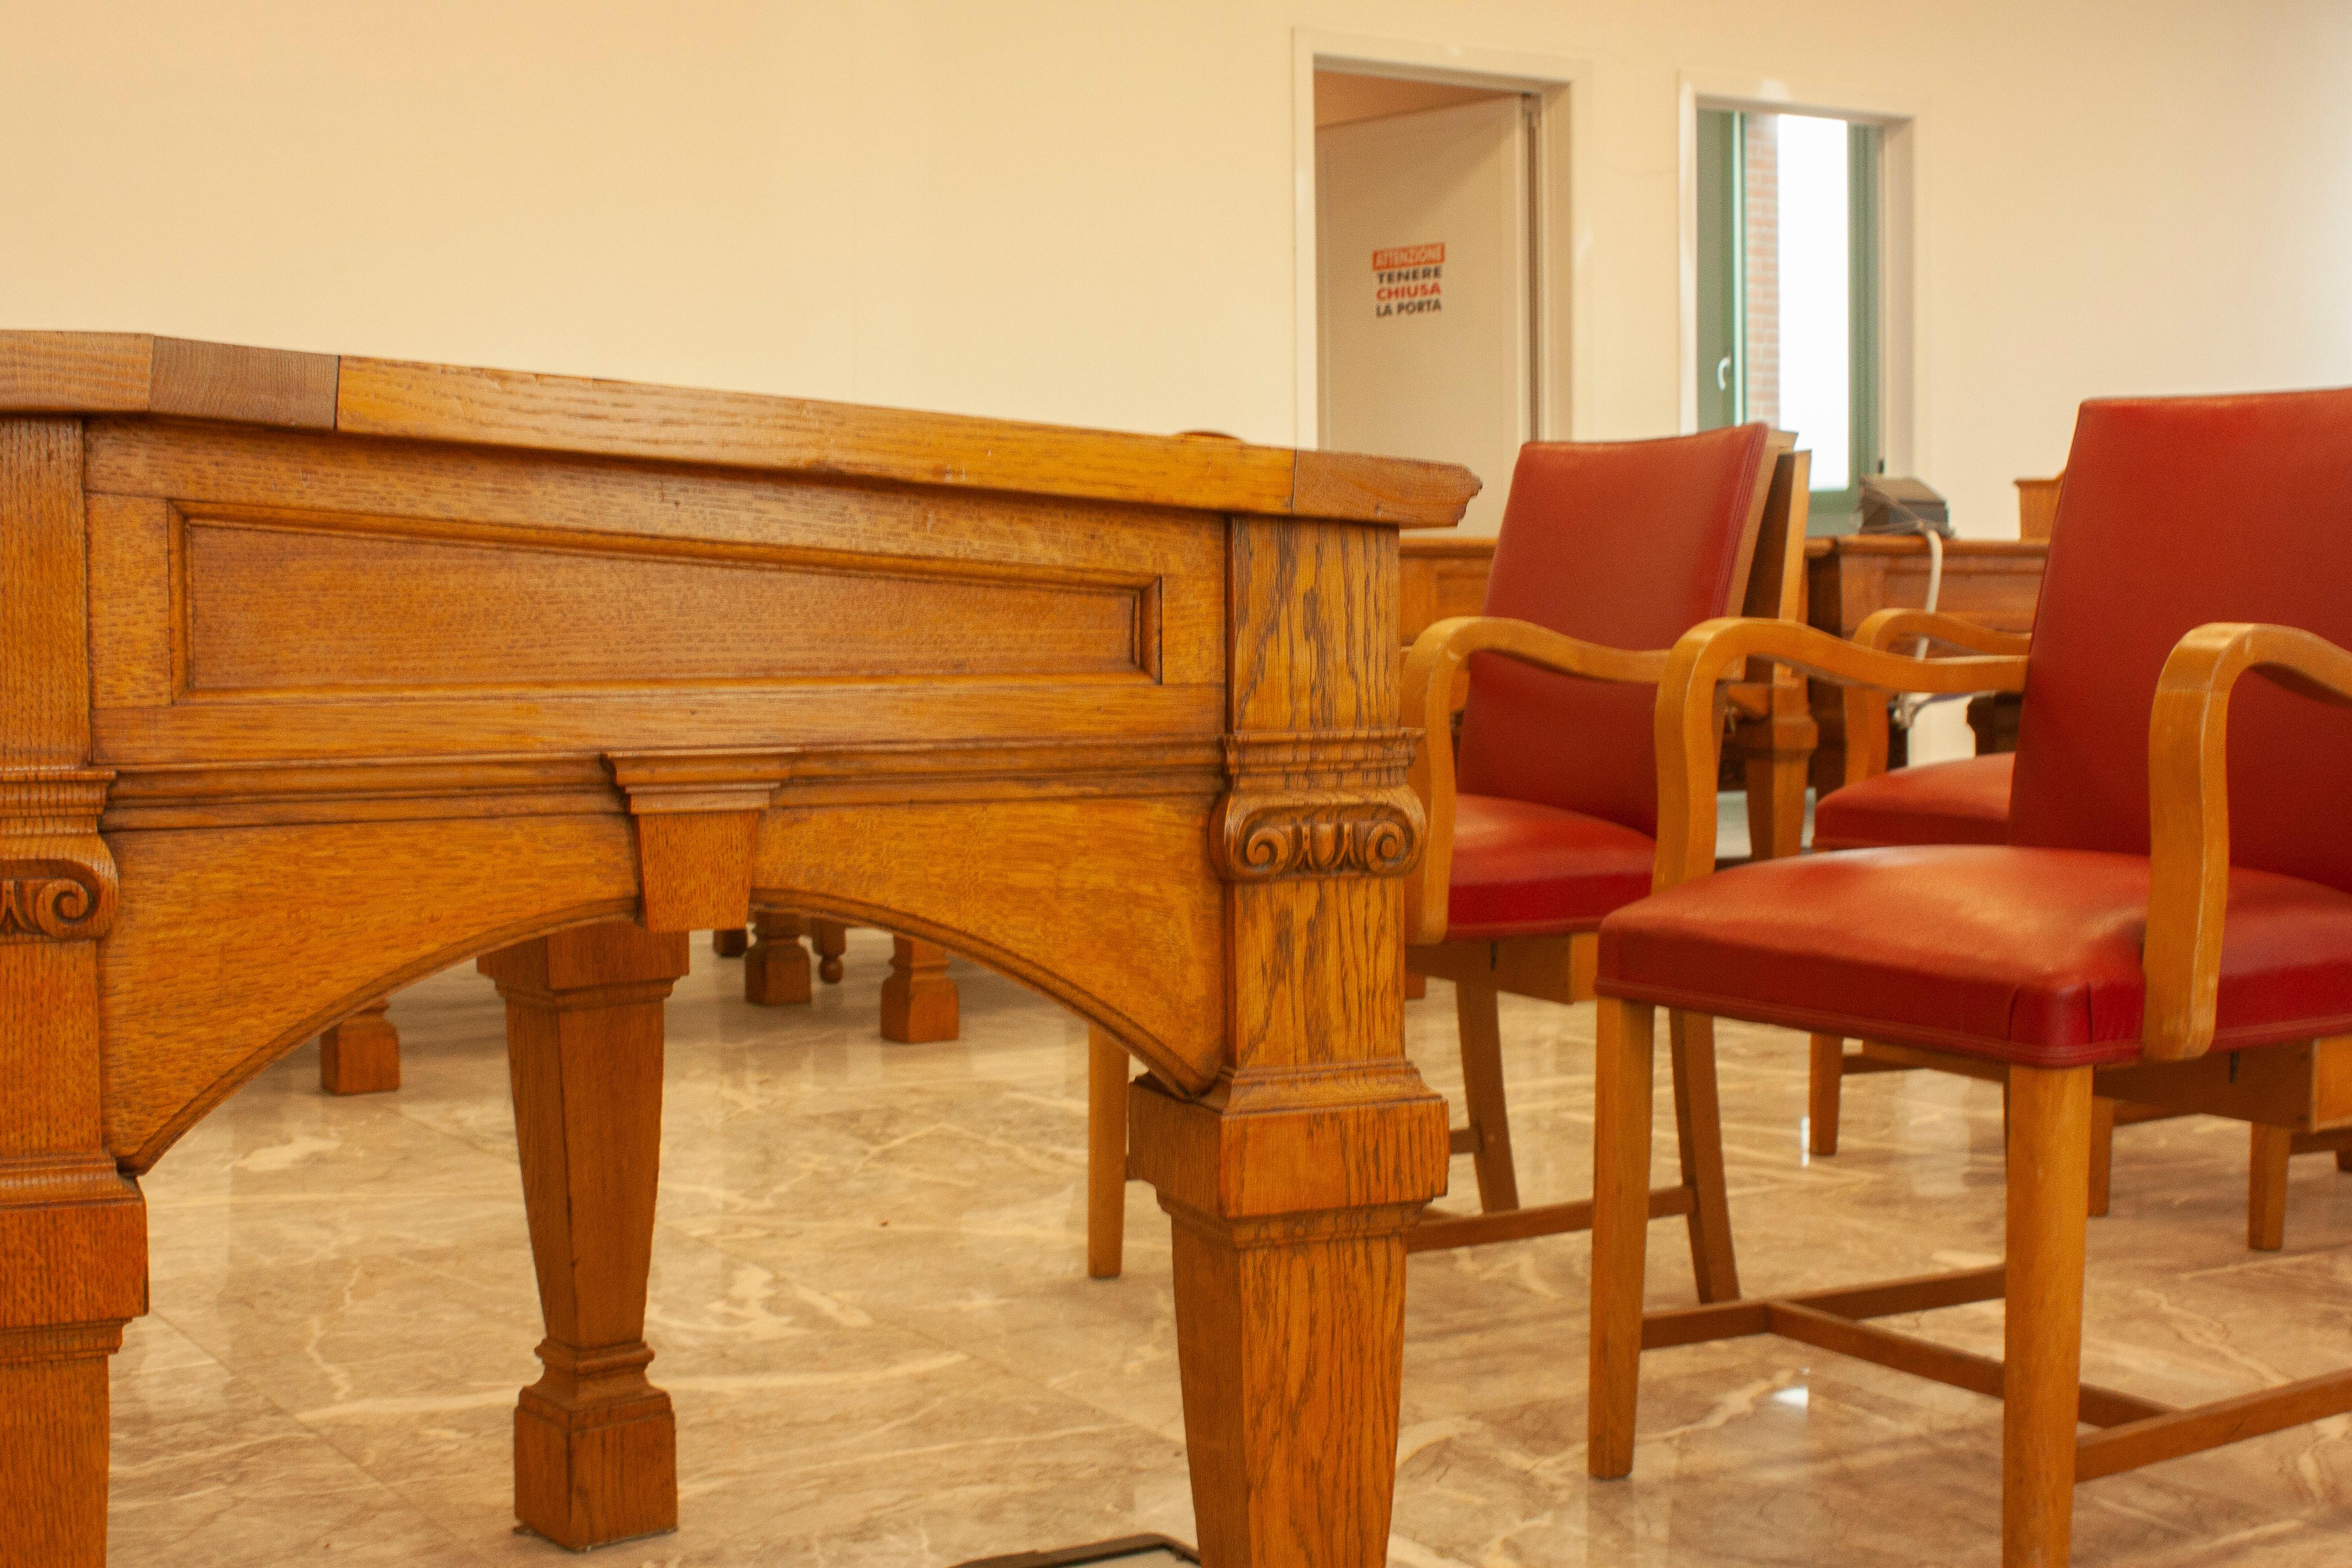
point(1428, 247)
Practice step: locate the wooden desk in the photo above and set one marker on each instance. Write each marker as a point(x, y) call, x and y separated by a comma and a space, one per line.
point(317, 676)
point(1994, 582)
point(1440, 574)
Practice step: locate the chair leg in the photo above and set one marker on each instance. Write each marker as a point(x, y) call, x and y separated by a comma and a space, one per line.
point(1476, 1016)
point(1106, 1155)
point(730, 943)
point(1623, 1065)
point(2049, 1206)
point(1825, 1089)
point(1698, 1127)
point(2103, 1152)
point(2266, 1187)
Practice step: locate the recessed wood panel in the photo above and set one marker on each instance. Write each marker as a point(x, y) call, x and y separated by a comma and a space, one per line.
point(532, 501)
point(271, 607)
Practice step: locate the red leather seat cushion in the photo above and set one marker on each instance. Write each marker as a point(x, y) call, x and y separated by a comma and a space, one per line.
point(2026, 956)
point(1965, 802)
point(1524, 870)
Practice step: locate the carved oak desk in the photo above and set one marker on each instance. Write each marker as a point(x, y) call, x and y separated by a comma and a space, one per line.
point(317, 676)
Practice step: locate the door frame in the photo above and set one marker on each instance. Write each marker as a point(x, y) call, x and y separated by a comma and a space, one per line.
point(1562, 85)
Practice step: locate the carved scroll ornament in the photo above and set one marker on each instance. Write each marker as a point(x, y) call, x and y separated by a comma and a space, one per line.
point(56, 879)
point(62, 899)
point(1327, 805)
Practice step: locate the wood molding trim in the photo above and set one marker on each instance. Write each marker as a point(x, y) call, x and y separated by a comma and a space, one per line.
point(130, 372)
point(1308, 804)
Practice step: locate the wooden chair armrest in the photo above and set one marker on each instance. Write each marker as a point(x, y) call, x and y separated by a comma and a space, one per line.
point(1437, 656)
point(1688, 732)
point(1866, 707)
point(1884, 628)
point(2189, 810)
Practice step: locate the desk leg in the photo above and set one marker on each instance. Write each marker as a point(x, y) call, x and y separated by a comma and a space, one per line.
point(73, 1231)
point(1294, 1178)
point(919, 1000)
point(596, 1444)
point(831, 939)
point(776, 966)
point(73, 1260)
point(1289, 1341)
point(362, 1053)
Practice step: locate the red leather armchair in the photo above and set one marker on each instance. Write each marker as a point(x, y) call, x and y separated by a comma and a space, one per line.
point(2308, 1107)
point(2175, 901)
point(1546, 819)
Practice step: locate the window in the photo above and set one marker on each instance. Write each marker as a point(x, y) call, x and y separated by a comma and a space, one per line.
point(1788, 290)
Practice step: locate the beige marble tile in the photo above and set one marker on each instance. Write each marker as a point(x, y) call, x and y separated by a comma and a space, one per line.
point(869, 1304)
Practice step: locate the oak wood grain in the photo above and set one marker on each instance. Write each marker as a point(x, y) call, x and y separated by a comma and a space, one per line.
point(294, 780)
point(595, 1442)
point(920, 1003)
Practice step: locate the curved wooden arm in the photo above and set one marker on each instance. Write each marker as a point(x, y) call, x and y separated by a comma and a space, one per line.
point(2188, 811)
point(1866, 707)
point(1437, 654)
point(1884, 628)
point(1688, 731)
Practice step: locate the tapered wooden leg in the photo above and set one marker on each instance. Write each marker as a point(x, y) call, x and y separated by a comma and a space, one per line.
point(1416, 986)
point(73, 1270)
point(53, 1443)
point(776, 966)
point(2103, 1153)
point(919, 1000)
point(730, 943)
point(73, 1229)
point(1623, 1065)
point(362, 1053)
point(1698, 1126)
point(1290, 1322)
point(1825, 1093)
point(1106, 1155)
point(596, 1444)
point(831, 939)
point(1475, 1014)
point(2266, 1187)
point(2049, 1203)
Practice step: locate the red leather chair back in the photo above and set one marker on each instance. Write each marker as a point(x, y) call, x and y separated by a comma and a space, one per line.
point(1629, 543)
point(2177, 511)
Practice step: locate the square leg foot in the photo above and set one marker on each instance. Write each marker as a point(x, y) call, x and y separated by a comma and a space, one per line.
point(360, 1055)
point(596, 1475)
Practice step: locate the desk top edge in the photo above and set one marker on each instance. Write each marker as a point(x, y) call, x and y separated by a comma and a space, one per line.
point(1821, 546)
point(131, 374)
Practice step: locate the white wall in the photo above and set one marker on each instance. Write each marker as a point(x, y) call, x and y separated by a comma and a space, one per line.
point(1069, 210)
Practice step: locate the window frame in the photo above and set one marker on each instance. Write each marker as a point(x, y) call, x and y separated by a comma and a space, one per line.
point(1720, 267)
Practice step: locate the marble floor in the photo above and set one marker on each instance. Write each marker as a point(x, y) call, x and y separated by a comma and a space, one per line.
point(870, 1305)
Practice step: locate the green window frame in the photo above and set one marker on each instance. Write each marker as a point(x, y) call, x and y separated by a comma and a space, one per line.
point(1720, 341)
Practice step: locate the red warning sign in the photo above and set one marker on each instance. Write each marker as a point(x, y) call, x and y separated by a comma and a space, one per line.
point(1409, 280)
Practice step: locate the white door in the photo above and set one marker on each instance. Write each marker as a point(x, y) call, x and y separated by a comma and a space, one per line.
point(1423, 303)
